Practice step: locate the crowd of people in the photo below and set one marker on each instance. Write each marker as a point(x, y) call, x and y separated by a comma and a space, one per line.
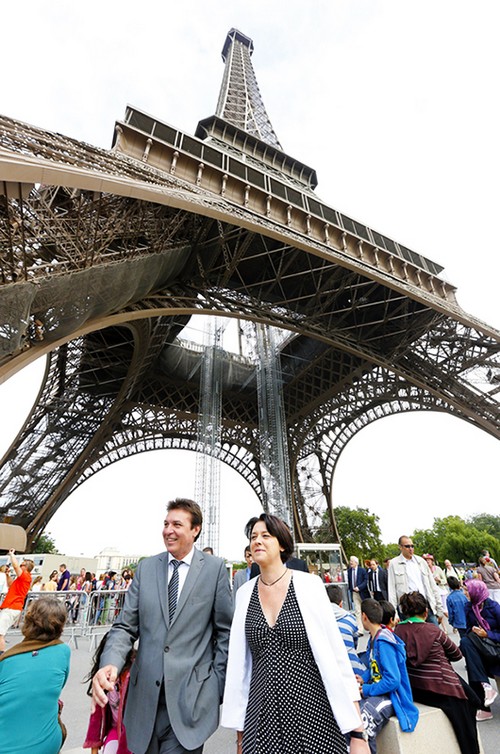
point(430, 600)
point(280, 651)
point(74, 588)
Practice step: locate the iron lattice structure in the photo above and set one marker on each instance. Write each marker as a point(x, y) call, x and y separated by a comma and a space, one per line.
point(106, 254)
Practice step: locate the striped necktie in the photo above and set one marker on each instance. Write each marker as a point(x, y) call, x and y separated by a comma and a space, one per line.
point(173, 588)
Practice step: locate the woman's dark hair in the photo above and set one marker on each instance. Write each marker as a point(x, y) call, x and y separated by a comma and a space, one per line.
point(97, 661)
point(44, 619)
point(389, 611)
point(277, 528)
point(453, 582)
point(413, 604)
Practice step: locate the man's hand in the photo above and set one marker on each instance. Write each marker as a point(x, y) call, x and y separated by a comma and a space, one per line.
point(360, 683)
point(104, 680)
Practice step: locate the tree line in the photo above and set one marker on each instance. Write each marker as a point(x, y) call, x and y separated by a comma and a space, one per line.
point(451, 537)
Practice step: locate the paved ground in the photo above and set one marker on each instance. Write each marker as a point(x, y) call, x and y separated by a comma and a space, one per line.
point(77, 708)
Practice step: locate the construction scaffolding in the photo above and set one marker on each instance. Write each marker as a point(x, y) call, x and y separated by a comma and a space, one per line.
point(275, 467)
point(105, 255)
point(207, 475)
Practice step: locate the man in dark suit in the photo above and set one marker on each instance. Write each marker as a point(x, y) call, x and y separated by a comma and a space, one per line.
point(180, 607)
point(377, 581)
point(357, 582)
point(297, 564)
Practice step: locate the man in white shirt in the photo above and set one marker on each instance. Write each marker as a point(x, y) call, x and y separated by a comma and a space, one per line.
point(410, 573)
point(180, 606)
point(357, 584)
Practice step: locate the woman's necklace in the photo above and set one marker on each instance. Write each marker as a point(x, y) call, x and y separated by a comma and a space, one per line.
point(275, 581)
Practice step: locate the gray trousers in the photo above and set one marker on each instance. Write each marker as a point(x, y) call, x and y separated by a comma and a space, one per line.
point(164, 740)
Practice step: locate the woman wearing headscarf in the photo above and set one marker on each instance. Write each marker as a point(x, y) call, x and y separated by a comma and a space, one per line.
point(483, 622)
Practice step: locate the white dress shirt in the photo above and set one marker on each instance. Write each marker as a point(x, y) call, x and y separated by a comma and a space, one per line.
point(183, 569)
point(414, 576)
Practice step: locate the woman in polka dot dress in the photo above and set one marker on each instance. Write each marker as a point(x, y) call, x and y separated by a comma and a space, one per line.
point(290, 688)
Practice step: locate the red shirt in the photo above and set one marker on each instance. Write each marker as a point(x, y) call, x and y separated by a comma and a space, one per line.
point(14, 599)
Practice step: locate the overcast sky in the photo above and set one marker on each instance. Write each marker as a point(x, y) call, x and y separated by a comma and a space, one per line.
point(395, 104)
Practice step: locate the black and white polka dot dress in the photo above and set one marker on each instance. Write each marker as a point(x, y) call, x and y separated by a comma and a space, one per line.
point(288, 711)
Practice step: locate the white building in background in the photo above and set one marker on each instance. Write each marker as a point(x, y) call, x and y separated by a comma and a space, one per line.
point(111, 559)
point(45, 563)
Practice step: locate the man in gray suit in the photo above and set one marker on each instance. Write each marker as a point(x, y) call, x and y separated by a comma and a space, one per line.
point(179, 606)
point(243, 574)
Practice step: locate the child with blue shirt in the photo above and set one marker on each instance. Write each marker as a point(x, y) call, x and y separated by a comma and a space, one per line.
point(384, 686)
point(455, 605)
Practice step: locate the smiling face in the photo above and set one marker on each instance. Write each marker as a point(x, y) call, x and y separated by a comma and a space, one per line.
point(266, 549)
point(179, 533)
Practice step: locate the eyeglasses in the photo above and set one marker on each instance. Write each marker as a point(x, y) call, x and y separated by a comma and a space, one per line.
point(408, 547)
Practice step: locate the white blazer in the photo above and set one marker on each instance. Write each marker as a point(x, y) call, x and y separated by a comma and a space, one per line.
point(326, 644)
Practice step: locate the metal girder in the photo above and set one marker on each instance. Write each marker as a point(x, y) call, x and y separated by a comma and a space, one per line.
point(105, 255)
point(240, 101)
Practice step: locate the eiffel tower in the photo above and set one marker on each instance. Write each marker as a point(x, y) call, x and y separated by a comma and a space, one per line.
point(105, 255)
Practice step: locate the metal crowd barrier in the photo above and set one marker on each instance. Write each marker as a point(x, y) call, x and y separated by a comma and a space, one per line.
point(89, 615)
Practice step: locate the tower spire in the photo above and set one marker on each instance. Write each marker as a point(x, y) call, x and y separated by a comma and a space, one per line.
point(240, 101)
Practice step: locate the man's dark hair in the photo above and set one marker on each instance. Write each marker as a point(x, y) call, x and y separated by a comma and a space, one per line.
point(388, 610)
point(334, 593)
point(453, 582)
point(372, 610)
point(191, 507)
point(247, 550)
point(413, 604)
point(277, 528)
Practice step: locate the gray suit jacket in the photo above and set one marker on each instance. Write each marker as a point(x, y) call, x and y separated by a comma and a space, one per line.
point(240, 578)
point(189, 656)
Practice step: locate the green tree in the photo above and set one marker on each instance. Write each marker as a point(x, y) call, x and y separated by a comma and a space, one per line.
point(453, 538)
point(388, 551)
point(46, 544)
point(359, 532)
point(486, 522)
